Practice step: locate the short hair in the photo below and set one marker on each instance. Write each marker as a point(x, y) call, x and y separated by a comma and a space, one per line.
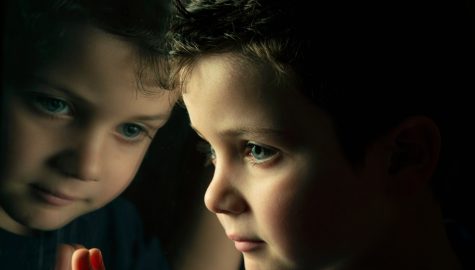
point(346, 57)
point(369, 64)
point(34, 29)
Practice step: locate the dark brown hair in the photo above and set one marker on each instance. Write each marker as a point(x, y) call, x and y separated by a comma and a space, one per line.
point(369, 64)
point(33, 30)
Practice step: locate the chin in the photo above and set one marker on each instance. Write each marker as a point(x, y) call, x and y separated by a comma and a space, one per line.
point(264, 265)
point(46, 222)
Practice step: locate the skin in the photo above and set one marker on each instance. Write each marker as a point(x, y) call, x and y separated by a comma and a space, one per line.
point(287, 196)
point(79, 258)
point(263, 147)
point(285, 193)
point(77, 133)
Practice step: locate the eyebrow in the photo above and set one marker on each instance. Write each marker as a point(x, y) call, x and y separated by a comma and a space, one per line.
point(57, 87)
point(155, 117)
point(238, 132)
point(145, 118)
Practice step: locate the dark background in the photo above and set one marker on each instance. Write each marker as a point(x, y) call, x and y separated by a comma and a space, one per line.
point(168, 190)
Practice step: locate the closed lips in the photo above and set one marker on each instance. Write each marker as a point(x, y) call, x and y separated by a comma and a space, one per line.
point(49, 192)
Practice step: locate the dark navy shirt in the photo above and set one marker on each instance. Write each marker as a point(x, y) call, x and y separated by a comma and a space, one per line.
point(116, 229)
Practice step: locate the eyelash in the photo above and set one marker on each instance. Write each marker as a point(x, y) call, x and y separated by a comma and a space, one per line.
point(250, 146)
point(39, 102)
point(205, 147)
point(143, 131)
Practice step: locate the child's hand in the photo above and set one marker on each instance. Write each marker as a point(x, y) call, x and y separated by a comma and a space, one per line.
point(77, 257)
point(64, 255)
point(84, 259)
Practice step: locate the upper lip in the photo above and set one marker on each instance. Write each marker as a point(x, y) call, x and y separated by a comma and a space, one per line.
point(56, 193)
point(238, 238)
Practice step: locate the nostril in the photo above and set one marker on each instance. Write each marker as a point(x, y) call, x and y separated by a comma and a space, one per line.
point(82, 178)
point(71, 175)
point(78, 176)
point(68, 165)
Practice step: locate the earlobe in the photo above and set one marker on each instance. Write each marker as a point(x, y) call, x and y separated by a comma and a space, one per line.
point(415, 153)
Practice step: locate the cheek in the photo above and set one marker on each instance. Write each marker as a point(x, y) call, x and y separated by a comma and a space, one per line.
point(118, 172)
point(312, 218)
point(27, 146)
point(279, 214)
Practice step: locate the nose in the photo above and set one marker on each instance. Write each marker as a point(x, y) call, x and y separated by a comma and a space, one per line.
point(222, 196)
point(81, 158)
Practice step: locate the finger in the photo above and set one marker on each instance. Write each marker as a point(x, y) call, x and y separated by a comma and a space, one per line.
point(63, 257)
point(96, 259)
point(80, 260)
point(77, 246)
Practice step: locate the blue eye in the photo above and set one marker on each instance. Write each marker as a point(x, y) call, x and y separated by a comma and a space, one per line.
point(131, 131)
point(52, 106)
point(208, 150)
point(211, 155)
point(259, 153)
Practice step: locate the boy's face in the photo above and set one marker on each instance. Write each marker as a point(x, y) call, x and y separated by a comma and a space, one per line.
point(282, 189)
point(76, 135)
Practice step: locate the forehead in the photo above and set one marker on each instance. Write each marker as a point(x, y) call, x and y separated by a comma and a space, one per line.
point(215, 79)
point(92, 48)
point(234, 75)
point(102, 69)
point(223, 94)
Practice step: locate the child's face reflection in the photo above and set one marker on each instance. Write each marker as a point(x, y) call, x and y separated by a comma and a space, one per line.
point(77, 134)
point(282, 189)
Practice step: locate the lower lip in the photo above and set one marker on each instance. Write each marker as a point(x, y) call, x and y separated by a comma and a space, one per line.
point(51, 198)
point(247, 246)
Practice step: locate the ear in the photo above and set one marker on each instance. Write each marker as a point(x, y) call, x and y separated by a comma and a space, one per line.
point(414, 154)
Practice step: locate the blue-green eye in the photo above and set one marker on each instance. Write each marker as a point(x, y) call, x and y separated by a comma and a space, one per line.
point(131, 131)
point(259, 153)
point(208, 150)
point(53, 106)
point(211, 156)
